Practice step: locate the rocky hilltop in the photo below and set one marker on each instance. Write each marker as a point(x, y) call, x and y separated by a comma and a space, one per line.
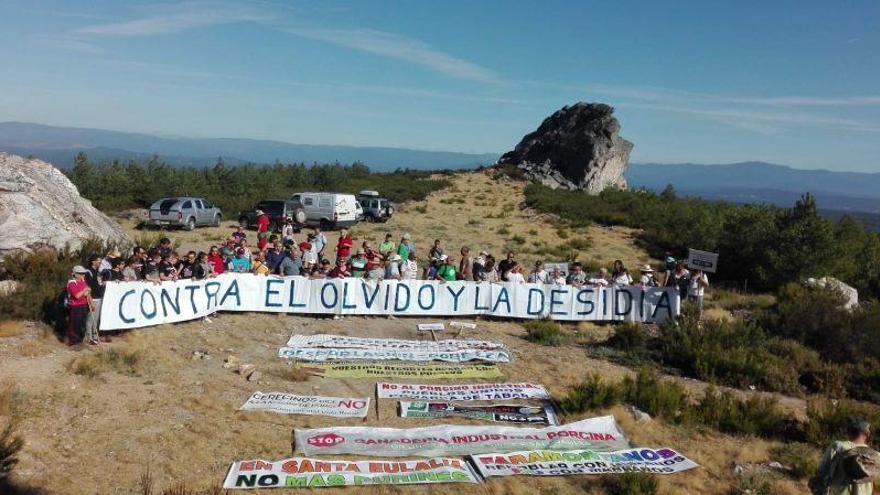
point(578, 147)
point(39, 206)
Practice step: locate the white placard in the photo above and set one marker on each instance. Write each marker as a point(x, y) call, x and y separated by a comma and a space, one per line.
point(280, 402)
point(332, 353)
point(702, 260)
point(600, 434)
point(346, 342)
point(462, 324)
point(431, 326)
point(472, 391)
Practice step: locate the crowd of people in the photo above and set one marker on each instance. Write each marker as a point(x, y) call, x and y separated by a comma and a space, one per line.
point(312, 256)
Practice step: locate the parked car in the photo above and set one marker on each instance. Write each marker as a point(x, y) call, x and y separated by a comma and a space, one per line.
point(327, 209)
point(186, 212)
point(278, 210)
point(376, 208)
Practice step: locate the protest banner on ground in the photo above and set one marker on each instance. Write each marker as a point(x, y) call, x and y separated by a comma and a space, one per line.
point(459, 356)
point(427, 327)
point(302, 472)
point(344, 341)
point(395, 370)
point(503, 413)
point(462, 324)
point(283, 403)
point(464, 391)
point(552, 463)
point(140, 304)
point(600, 434)
point(702, 260)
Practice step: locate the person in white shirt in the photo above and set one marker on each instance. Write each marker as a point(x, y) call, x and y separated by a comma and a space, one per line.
point(410, 268)
point(697, 289)
point(393, 269)
point(557, 277)
point(601, 280)
point(287, 230)
point(515, 275)
point(539, 274)
point(620, 276)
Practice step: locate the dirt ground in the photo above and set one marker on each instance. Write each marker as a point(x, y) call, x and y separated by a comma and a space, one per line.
point(95, 422)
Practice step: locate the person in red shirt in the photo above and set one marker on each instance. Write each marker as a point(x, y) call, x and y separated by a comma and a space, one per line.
point(79, 302)
point(262, 229)
point(343, 247)
point(216, 260)
point(341, 270)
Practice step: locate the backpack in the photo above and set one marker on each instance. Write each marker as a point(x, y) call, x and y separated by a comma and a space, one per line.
point(860, 464)
point(61, 301)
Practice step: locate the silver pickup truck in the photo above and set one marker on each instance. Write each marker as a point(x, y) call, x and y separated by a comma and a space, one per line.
point(185, 212)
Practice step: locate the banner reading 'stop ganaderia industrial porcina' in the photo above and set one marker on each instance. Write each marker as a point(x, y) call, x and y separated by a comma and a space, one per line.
point(302, 472)
point(600, 434)
point(140, 304)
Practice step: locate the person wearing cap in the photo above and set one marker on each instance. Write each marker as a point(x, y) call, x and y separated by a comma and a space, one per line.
point(358, 264)
point(386, 247)
point(262, 223)
point(446, 271)
point(831, 477)
point(538, 275)
point(96, 294)
point(393, 269)
point(309, 256)
point(79, 305)
point(647, 279)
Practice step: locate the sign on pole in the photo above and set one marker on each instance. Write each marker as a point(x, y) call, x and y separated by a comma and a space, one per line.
point(702, 260)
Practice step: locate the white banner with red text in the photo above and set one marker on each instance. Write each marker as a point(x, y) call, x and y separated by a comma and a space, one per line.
point(553, 463)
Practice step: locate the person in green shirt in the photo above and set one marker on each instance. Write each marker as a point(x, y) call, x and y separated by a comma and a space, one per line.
point(446, 270)
point(358, 264)
point(386, 248)
point(403, 247)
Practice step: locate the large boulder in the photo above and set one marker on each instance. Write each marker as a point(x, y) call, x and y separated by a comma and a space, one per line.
point(578, 148)
point(39, 206)
point(850, 293)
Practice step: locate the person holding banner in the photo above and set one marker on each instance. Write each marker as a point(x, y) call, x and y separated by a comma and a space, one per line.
point(697, 285)
point(79, 302)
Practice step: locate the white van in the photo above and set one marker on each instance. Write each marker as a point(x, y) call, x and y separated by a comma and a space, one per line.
point(329, 210)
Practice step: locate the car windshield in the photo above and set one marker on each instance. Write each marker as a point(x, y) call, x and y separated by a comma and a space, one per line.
point(272, 207)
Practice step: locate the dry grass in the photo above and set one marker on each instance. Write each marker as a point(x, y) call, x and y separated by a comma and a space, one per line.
point(11, 328)
point(121, 359)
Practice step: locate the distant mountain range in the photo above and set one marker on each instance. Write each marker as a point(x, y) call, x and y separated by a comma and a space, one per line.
point(760, 182)
point(59, 145)
point(745, 182)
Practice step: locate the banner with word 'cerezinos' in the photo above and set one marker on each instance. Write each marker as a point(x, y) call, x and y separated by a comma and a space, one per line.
point(463, 391)
point(396, 370)
point(553, 463)
point(302, 472)
point(283, 403)
point(600, 434)
point(140, 304)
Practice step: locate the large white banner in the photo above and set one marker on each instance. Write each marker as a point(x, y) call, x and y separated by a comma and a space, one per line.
point(344, 341)
point(339, 407)
point(457, 356)
point(550, 463)
point(140, 304)
point(506, 413)
point(472, 391)
point(302, 472)
point(600, 434)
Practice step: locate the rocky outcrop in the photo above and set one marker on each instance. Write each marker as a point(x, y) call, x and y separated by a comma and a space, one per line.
point(578, 147)
point(39, 206)
point(850, 293)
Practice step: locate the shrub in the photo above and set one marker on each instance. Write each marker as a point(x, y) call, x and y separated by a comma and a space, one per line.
point(631, 338)
point(533, 232)
point(592, 393)
point(828, 419)
point(518, 239)
point(756, 415)
point(121, 360)
point(803, 458)
point(10, 445)
point(655, 396)
point(421, 209)
point(503, 230)
point(544, 332)
point(630, 484)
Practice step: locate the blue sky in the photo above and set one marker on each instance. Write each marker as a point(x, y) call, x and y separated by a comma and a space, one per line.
point(792, 82)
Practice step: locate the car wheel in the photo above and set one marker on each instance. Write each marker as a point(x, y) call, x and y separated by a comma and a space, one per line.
point(191, 224)
point(369, 218)
point(243, 222)
point(216, 220)
point(299, 216)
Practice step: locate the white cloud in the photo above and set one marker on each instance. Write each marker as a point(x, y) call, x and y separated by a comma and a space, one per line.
point(399, 47)
point(177, 18)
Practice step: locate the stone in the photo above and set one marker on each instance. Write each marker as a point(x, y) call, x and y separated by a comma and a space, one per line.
point(230, 362)
point(254, 376)
point(40, 207)
point(850, 293)
point(576, 148)
point(638, 414)
point(200, 355)
point(245, 369)
point(8, 287)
